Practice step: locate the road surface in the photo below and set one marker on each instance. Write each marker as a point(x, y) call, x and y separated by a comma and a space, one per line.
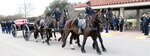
point(116, 46)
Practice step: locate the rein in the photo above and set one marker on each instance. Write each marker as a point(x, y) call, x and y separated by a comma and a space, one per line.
point(95, 18)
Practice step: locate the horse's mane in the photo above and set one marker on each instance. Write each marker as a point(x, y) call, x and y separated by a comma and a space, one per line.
point(95, 14)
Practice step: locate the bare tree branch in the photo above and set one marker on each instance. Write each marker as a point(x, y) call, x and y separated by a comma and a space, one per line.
point(25, 9)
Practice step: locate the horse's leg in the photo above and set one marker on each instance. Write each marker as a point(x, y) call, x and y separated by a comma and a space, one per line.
point(42, 33)
point(71, 39)
point(101, 41)
point(36, 35)
point(64, 37)
point(83, 44)
point(78, 40)
point(55, 35)
point(59, 39)
point(61, 32)
point(48, 36)
point(93, 45)
point(96, 44)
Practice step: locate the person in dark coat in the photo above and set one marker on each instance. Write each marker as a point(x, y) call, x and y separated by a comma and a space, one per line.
point(8, 27)
point(145, 24)
point(89, 11)
point(2, 26)
point(7, 24)
point(57, 15)
point(142, 25)
point(121, 23)
point(117, 23)
point(114, 22)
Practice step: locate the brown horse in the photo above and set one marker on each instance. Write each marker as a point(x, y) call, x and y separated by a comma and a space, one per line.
point(97, 22)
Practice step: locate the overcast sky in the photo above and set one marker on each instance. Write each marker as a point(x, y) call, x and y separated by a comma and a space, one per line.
point(10, 7)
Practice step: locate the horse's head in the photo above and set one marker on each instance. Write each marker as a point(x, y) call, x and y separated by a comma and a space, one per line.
point(100, 18)
point(109, 15)
point(65, 13)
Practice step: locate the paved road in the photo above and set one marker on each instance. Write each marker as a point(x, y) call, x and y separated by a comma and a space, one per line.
point(116, 46)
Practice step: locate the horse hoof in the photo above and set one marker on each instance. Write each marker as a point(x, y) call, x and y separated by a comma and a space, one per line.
point(72, 48)
point(36, 41)
point(48, 44)
point(59, 39)
point(94, 48)
point(63, 45)
point(83, 51)
point(50, 39)
point(105, 50)
point(79, 45)
point(100, 53)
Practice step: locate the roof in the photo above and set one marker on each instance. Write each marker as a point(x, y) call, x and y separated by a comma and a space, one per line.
point(110, 2)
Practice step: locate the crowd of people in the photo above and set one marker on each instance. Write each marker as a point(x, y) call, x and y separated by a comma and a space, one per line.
point(6, 26)
point(117, 23)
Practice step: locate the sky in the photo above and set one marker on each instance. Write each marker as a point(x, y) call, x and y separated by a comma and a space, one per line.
point(11, 7)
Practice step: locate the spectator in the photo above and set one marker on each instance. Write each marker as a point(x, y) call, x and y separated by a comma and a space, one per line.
point(145, 24)
point(117, 23)
point(2, 26)
point(121, 23)
point(8, 27)
point(142, 25)
point(114, 23)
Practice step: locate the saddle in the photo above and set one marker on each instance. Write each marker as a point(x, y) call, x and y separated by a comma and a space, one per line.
point(80, 23)
point(40, 23)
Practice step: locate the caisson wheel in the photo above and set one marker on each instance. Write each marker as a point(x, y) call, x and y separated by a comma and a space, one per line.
point(14, 30)
point(26, 32)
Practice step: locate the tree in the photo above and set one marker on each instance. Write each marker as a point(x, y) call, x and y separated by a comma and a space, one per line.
point(62, 5)
point(56, 3)
point(25, 8)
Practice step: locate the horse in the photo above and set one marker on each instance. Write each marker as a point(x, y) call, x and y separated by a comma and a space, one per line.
point(51, 23)
point(39, 28)
point(62, 21)
point(97, 22)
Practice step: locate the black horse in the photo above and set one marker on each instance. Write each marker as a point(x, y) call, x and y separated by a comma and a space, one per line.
point(51, 24)
point(39, 28)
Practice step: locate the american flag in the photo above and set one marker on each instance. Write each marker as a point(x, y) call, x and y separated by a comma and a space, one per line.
point(21, 21)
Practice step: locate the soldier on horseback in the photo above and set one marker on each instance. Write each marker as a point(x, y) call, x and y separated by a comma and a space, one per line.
point(57, 15)
point(89, 12)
